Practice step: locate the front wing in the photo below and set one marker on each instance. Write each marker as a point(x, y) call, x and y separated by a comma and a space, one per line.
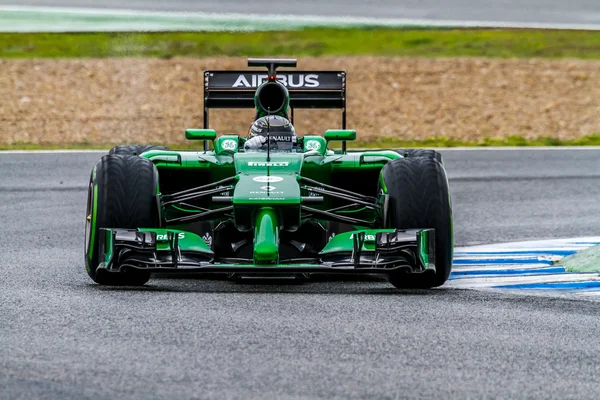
point(363, 251)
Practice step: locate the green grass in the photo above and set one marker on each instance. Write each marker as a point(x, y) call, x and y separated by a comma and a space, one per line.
point(507, 43)
point(389, 143)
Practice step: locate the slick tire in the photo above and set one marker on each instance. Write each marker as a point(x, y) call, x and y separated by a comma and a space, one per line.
point(412, 153)
point(134, 149)
point(122, 194)
point(419, 197)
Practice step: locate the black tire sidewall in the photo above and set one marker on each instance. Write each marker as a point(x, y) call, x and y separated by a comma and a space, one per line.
point(126, 198)
point(419, 197)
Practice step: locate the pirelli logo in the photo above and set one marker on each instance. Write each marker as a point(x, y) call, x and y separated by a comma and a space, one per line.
point(268, 164)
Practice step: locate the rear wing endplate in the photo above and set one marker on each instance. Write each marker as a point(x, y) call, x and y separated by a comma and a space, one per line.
point(308, 89)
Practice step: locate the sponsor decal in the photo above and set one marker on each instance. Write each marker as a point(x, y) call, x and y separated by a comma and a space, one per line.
point(224, 193)
point(370, 238)
point(281, 138)
point(181, 235)
point(312, 145)
point(268, 164)
point(269, 189)
point(315, 194)
point(229, 144)
point(291, 80)
point(331, 237)
point(208, 239)
point(267, 179)
point(267, 198)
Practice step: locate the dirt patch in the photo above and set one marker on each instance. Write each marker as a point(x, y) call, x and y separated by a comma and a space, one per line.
point(150, 100)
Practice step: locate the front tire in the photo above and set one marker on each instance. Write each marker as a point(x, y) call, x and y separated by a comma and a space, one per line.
point(122, 194)
point(419, 197)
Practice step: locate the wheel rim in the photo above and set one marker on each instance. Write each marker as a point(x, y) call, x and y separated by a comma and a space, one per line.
point(88, 218)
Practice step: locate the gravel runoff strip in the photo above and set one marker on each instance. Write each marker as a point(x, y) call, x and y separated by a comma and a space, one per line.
point(107, 101)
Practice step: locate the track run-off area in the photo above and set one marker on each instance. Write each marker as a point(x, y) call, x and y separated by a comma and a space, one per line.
point(178, 15)
point(62, 336)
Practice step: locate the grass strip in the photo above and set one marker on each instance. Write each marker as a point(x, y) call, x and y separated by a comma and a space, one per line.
point(503, 43)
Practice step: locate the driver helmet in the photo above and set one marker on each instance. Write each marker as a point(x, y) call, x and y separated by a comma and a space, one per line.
point(280, 130)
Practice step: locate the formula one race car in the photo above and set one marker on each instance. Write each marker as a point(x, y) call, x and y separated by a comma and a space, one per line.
point(291, 207)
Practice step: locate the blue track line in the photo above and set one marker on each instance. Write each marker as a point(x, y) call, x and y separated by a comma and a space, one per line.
point(537, 266)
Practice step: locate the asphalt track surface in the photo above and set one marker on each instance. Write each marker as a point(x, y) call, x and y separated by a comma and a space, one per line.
point(514, 11)
point(61, 336)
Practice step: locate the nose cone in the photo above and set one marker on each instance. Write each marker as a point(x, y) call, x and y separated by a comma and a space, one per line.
point(266, 253)
point(263, 183)
point(266, 237)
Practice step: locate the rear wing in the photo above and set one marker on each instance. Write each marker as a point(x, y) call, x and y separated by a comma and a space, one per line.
point(308, 89)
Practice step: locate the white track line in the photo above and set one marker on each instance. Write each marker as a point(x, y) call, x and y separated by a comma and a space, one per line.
point(596, 148)
point(533, 245)
point(590, 293)
point(522, 148)
point(499, 267)
point(6, 152)
point(486, 282)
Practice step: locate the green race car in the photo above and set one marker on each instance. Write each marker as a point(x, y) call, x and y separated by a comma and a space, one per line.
point(270, 204)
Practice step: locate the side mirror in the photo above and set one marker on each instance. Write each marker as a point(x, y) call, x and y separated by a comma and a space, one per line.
point(200, 134)
point(340, 134)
